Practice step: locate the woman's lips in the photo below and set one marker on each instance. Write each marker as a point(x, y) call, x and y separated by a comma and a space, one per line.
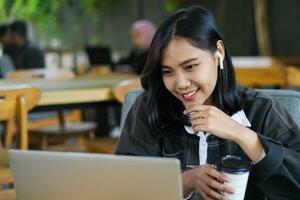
point(189, 96)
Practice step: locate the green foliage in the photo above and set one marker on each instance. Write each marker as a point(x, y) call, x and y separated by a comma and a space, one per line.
point(81, 26)
point(42, 14)
point(172, 5)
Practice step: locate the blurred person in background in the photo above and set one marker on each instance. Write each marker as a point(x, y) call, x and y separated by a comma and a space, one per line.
point(6, 63)
point(24, 54)
point(142, 32)
point(4, 35)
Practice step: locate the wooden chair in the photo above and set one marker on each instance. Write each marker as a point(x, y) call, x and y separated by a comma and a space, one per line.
point(123, 87)
point(60, 133)
point(15, 102)
point(58, 128)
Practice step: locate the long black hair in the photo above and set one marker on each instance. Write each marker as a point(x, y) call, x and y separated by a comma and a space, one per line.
point(198, 26)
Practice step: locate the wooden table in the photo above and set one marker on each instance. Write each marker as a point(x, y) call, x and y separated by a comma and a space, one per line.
point(257, 71)
point(293, 76)
point(94, 92)
point(255, 77)
point(81, 90)
point(280, 76)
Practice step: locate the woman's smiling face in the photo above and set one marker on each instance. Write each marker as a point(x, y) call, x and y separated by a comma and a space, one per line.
point(189, 73)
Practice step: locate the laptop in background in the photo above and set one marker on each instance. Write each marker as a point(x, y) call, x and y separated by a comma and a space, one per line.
point(99, 55)
point(60, 176)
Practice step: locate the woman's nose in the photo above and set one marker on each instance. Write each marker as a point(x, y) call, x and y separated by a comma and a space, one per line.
point(182, 82)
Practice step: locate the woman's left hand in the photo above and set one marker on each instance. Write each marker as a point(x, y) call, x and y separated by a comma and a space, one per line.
point(212, 120)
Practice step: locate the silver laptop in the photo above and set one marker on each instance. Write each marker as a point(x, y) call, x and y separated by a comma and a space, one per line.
point(40, 175)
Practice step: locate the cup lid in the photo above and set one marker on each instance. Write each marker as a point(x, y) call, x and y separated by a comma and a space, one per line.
point(233, 164)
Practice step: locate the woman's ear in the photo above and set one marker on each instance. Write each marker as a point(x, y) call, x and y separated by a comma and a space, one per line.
point(221, 47)
point(220, 53)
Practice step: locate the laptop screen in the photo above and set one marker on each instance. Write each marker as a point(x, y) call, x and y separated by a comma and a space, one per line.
point(99, 55)
point(77, 176)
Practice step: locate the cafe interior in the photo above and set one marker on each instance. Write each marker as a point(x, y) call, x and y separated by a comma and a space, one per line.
point(70, 93)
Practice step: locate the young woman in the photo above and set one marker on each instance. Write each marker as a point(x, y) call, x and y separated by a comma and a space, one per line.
point(193, 110)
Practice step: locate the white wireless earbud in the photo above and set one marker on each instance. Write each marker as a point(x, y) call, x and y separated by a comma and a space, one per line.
point(220, 57)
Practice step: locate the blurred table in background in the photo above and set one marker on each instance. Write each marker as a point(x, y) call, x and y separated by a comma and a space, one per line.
point(277, 76)
point(93, 93)
point(293, 76)
point(40, 73)
point(265, 71)
point(254, 61)
point(80, 90)
point(256, 77)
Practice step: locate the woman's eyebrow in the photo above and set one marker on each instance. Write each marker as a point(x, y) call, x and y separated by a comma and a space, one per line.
point(182, 63)
point(187, 61)
point(165, 67)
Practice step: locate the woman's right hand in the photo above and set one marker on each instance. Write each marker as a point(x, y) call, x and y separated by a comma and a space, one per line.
point(208, 182)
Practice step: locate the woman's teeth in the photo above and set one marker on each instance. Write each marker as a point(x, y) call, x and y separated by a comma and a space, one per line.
point(189, 94)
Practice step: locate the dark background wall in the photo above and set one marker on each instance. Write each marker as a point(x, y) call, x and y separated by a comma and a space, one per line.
point(117, 21)
point(284, 29)
point(236, 22)
point(235, 19)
